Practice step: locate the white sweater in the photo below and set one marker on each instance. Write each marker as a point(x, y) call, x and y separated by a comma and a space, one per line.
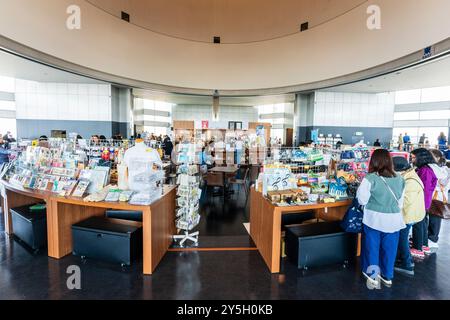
point(443, 176)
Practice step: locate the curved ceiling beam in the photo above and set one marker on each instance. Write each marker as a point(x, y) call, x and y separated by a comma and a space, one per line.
point(440, 50)
point(335, 53)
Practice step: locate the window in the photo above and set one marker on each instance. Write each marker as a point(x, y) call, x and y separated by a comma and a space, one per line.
point(435, 94)
point(155, 118)
point(431, 133)
point(422, 115)
point(435, 114)
point(7, 105)
point(7, 84)
point(153, 105)
point(412, 132)
point(409, 96)
point(8, 125)
point(423, 95)
point(234, 125)
point(406, 116)
point(157, 130)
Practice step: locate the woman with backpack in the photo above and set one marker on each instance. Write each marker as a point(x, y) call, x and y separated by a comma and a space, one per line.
point(422, 159)
point(381, 194)
point(413, 211)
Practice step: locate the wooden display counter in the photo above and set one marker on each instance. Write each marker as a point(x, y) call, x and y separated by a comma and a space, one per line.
point(265, 223)
point(158, 219)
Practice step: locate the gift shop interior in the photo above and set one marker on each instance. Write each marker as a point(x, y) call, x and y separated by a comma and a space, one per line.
point(154, 183)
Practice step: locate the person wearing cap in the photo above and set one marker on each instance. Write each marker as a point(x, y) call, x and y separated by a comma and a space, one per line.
point(413, 211)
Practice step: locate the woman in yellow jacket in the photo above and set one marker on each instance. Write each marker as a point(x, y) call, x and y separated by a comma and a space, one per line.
point(413, 211)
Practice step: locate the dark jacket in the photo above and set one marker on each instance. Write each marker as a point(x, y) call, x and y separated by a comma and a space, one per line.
point(168, 147)
point(4, 155)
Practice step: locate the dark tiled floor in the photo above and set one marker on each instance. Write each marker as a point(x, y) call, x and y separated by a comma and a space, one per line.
point(221, 217)
point(222, 221)
point(209, 275)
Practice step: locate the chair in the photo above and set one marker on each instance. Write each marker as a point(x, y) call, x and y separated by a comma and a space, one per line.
point(254, 171)
point(215, 179)
point(241, 182)
point(172, 179)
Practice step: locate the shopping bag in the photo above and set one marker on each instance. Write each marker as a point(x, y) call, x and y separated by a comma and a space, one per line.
point(353, 219)
point(438, 208)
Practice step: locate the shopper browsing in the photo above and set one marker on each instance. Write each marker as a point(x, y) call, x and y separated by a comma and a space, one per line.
point(440, 193)
point(413, 211)
point(442, 141)
point(407, 141)
point(167, 146)
point(422, 159)
point(4, 153)
point(381, 194)
point(422, 140)
point(400, 142)
point(377, 143)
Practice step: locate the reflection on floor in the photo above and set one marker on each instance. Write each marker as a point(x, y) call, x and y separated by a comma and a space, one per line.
point(209, 275)
point(222, 221)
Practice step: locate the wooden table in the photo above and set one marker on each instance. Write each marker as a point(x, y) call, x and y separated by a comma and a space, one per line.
point(265, 223)
point(227, 170)
point(158, 219)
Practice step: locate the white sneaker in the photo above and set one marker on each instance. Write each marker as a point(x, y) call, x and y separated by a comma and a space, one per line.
point(386, 282)
point(372, 283)
point(433, 245)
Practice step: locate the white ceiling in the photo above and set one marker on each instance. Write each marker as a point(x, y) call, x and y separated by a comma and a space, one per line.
point(428, 75)
point(235, 21)
point(20, 68)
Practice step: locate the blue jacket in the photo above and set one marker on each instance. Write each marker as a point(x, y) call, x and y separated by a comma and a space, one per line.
point(4, 155)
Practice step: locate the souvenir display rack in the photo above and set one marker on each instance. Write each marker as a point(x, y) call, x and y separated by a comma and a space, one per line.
point(188, 193)
point(295, 176)
point(64, 170)
point(352, 166)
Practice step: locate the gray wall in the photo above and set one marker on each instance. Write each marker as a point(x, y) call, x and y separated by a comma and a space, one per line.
point(304, 117)
point(345, 114)
point(120, 109)
point(370, 134)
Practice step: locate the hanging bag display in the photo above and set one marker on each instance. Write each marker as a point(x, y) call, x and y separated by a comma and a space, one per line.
point(439, 208)
point(338, 189)
point(353, 219)
point(315, 155)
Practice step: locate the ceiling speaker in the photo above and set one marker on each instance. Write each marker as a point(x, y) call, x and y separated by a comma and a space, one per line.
point(125, 16)
point(304, 26)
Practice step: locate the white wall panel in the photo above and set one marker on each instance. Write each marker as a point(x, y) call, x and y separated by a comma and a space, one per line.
point(354, 109)
point(62, 101)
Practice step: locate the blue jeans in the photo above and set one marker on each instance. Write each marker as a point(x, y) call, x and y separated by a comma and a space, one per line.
point(404, 254)
point(379, 250)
